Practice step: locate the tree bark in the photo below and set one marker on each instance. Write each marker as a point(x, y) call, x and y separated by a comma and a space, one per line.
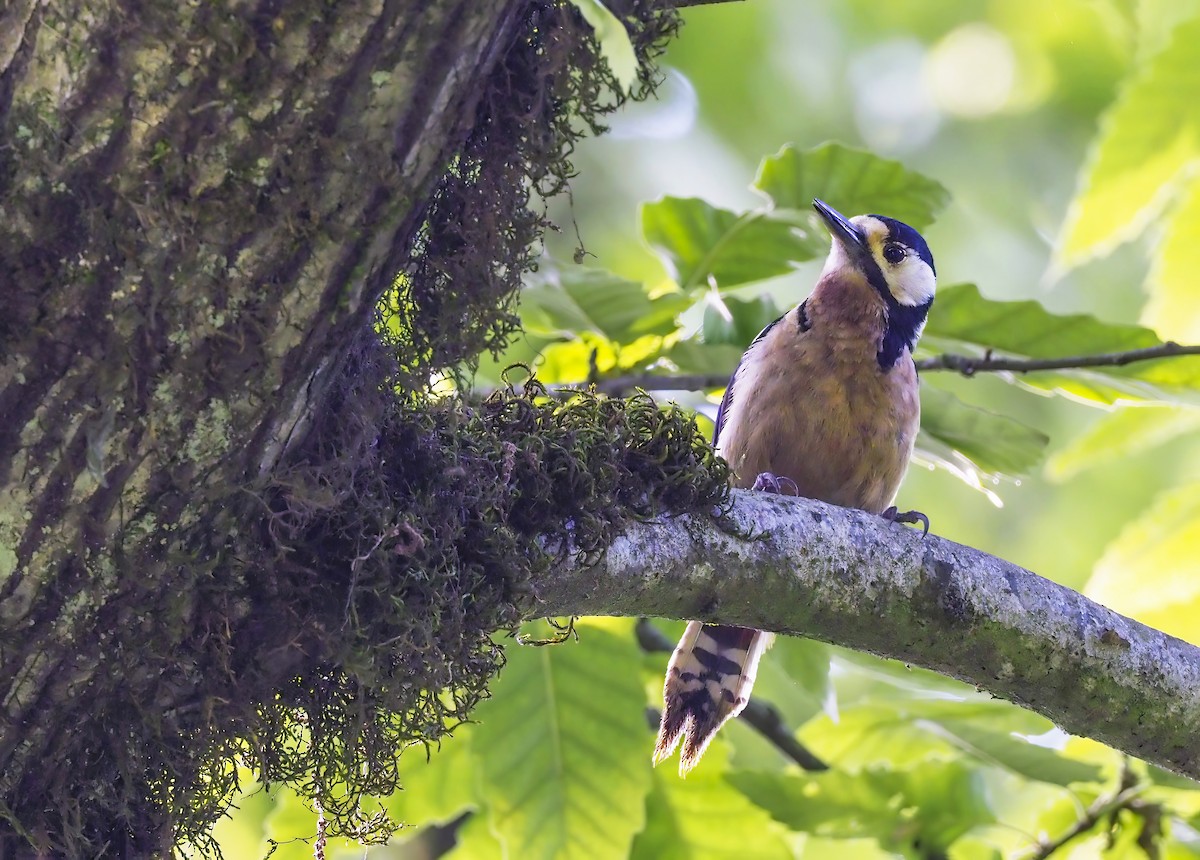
point(850, 578)
point(200, 206)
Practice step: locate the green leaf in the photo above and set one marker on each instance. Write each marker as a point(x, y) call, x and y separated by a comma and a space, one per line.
point(1174, 307)
point(436, 789)
point(1157, 18)
point(862, 677)
point(292, 825)
point(901, 733)
point(1151, 572)
point(563, 303)
point(241, 833)
point(1025, 329)
point(806, 662)
point(1149, 135)
point(474, 841)
point(1121, 434)
point(737, 321)
point(1015, 754)
point(994, 443)
point(691, 356)
point(704, 818)
point(820, 848)
point(853, 181)
point(564, 750)
point(833, 803)
point(929, 805)
point(699, 241)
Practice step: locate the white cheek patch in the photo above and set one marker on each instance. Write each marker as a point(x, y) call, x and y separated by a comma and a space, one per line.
point(913, 283)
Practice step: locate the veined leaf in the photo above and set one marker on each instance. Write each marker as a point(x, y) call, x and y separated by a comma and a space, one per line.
point(737, 321)
point(931, 804)
point(992, 442)
point(1151, 572)
point(853, 181)
point(699, 241)
point(691, 356)
point(704, 818)
point(1148, 136)
point(565, 302)
point(901, 733)
point(564, 750)
point(1025, 329)
point(1174, 306)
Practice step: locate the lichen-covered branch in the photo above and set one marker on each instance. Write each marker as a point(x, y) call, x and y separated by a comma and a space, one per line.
point(852, 579)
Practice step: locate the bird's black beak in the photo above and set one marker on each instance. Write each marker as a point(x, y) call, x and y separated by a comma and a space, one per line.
point(850, 237)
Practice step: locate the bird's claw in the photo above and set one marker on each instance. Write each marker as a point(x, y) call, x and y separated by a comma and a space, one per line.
point(911, 517)
point(767, 482)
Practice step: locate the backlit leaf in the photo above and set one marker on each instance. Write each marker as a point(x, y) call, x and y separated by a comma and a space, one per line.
point(1151, 572)
point(563, 748)
point(1122, 434)
point(1147, 137)
point(436, 789)
point(566, 302)
point(806, 662)
point(1174, 307)
point(474, 841)
point(853, 181)
point(928, 806)
point(901, 733)
point(700, 242)
point(703, 817)
point(993, 442)
point(737, 321)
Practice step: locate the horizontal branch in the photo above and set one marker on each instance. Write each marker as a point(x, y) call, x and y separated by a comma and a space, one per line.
point(967, 365)
point(850, 578)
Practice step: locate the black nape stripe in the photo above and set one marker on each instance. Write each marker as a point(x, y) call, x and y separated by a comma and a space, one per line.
point(903, 325)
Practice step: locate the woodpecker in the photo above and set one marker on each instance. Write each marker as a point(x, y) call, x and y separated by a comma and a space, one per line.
point(823, 404)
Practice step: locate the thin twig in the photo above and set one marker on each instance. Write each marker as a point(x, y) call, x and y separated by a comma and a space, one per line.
point(1124, 797)
point(967, 365)
point(762, 716)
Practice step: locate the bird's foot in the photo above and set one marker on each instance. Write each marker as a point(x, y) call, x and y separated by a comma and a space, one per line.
point(892, 515)
point(769, 483)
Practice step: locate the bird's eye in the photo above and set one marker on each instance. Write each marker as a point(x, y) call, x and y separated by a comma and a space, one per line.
point(893, 253)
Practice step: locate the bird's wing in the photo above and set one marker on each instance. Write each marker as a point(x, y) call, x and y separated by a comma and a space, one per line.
point(728, 398)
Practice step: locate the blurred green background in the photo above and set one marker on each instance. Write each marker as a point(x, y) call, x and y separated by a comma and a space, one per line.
point(1066, 187)
point(998, 101)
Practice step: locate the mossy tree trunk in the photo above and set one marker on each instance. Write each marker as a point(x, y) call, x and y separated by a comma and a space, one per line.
point(200, 206)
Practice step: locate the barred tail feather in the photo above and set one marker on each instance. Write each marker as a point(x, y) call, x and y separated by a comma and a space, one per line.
point(708, 681)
